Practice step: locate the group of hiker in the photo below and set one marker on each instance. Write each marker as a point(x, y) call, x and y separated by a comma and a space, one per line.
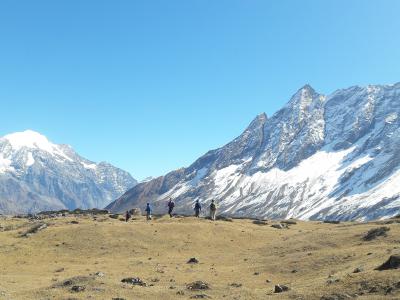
point(171, 205)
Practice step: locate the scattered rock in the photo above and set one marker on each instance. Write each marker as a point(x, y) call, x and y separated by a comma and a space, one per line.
point(200, 296)
point(114, 216)
point(75, 281)
point(59, 270)
point(223, 218)
point(34, 229)
point(99, 274)
point(392, 263)
point(256, 273)
point(180, 293)
point(77, 288)
point(336, 297)
point(281, 288)
point(332, 280)
point(289, 222)
point(118, 298)
point(260, 222)
point(193, 260)
point(67, 282)
point(198, 286)
point(134, 281)
point(375, 233)
point(358, 270)
point(331, 222)
point(74, 222)
point(236, 285)
point(279, 226)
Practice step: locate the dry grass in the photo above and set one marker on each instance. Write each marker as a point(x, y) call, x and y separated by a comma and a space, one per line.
point(235, 258)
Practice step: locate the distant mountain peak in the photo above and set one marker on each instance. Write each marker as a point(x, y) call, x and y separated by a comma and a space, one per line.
point(36, 174)
point(263, 116)
point(307, 87)
point(29, 139)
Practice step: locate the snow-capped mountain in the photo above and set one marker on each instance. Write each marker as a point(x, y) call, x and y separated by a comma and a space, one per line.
point(37, 175)
point(319, 157)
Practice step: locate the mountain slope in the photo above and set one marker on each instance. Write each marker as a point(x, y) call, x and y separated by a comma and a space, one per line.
point(319, 157)
point(36, 175)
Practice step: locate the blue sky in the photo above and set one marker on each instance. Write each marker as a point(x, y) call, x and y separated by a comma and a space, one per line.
point(151, 85)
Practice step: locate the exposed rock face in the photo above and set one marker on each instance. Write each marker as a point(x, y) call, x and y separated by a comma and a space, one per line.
point(37, 175)
point(333, 157)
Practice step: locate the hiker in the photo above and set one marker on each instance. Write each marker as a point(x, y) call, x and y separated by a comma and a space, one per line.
point(171, 206)
point(197, 208)
point(127, 216)
point(148, 212)
point(213, 210)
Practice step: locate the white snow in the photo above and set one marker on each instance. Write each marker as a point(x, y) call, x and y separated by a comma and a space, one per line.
point(30, 160)
point(5, 164)
point(391, 118)
point(34, 140)
point(29, 139)
point(199, 176)
point(89, 166)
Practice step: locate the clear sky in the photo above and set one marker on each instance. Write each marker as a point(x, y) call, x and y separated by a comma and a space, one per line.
point(151, 85)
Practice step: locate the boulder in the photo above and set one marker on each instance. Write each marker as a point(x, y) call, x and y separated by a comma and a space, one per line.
point(260, 222)
point(77, 288)
point(193, 260)
point(375, 233)
point(331, 222)
point(198, 286)
point(134, 281)
point(281, 288)
point(392, 263)
point(34, 229)
point(279, 226)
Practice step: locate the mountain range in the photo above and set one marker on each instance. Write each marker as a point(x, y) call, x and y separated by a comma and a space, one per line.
point(37, 175)
point(321, 157)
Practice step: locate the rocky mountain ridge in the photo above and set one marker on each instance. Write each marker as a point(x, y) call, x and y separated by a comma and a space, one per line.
point(319, 157)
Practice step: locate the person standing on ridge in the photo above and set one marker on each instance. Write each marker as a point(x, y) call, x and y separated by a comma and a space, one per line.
point(213, 210)
point(171, 205)
point(197, 208)
point(148, 212)
point(127, 216)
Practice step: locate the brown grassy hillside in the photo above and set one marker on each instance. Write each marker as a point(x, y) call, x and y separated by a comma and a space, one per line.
point(237, 260)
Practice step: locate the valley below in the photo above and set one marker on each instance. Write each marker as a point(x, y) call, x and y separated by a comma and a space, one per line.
point(100, 256)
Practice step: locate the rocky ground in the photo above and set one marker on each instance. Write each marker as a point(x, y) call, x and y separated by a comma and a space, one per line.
point(92, 255)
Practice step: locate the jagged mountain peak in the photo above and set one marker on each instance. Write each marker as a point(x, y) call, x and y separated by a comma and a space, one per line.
point(319, 157)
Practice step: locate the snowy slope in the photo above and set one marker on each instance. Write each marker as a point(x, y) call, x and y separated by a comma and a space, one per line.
point(36, 174)
point(319, 157)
